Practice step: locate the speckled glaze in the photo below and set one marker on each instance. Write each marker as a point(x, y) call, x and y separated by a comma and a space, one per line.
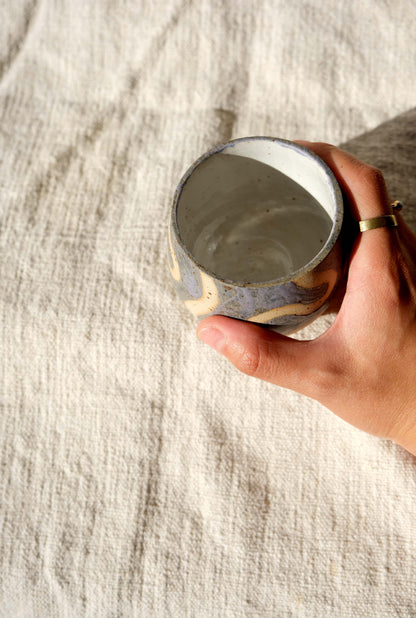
point(288, 303)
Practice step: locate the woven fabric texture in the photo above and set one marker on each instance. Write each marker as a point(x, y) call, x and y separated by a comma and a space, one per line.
point(141, 474)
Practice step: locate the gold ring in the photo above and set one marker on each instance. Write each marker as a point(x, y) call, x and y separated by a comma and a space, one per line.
point(375, 222)
point(383, 220)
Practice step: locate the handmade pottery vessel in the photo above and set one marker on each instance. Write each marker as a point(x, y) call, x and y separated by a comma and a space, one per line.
point(254, 233)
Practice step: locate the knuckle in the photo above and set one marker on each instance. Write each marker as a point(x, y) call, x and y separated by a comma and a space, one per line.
point(250, 361)
point(324, 148)
point(330, 371)
point(372, 176)
point(320, 381)
point(325, 145)
point(253, 360)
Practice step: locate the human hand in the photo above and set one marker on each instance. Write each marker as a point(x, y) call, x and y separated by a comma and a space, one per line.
point(363, 367)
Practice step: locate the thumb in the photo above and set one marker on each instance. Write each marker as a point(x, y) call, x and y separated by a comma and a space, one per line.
point(264, 354)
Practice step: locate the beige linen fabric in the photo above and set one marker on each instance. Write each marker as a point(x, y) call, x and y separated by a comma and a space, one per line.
point(140, 474)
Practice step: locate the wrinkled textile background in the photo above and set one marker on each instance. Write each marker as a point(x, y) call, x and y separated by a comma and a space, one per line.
point(140, 474)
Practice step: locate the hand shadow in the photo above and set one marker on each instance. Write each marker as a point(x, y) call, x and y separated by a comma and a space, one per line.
point(391, 147)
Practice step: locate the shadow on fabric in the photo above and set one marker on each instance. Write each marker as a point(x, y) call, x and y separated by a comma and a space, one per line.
point(391, 147)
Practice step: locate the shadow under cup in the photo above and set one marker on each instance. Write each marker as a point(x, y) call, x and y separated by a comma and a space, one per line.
point(253, 233)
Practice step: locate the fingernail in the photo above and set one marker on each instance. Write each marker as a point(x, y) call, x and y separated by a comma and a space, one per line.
point(213, 337)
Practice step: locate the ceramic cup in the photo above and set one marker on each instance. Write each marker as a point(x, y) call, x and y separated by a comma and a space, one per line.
point(254, 233)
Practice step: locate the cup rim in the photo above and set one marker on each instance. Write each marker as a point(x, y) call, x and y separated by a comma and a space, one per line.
point(295, 275)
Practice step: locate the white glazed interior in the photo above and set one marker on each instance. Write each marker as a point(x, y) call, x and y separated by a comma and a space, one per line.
point(199, 186)
point(294, 162)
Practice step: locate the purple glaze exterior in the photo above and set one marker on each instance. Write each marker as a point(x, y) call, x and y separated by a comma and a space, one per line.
point(288, 303)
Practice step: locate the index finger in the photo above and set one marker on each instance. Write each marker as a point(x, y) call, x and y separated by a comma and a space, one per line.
point(365, 190)
point(362, 184)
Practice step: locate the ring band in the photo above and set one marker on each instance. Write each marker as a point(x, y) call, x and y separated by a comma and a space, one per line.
point(383, 221)
point(375, 222)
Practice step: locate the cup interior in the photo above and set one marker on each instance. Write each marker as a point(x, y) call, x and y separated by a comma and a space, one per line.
point(258, 210)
